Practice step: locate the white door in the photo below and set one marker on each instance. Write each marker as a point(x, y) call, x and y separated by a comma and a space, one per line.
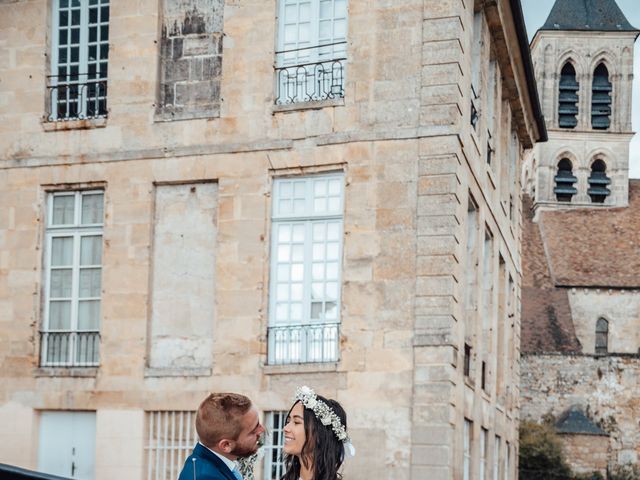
point(68, 444)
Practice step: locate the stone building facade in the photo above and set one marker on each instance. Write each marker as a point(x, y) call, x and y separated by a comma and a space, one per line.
point(211, 195)
point(581, 305)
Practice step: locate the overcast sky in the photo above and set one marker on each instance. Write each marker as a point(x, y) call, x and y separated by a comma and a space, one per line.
point(535, 14)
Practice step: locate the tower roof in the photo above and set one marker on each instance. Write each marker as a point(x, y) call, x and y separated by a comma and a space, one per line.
point(587, 15)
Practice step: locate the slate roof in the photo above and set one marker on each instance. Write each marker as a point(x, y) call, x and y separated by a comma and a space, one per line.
point(575, 422)
point(587, 15)
point(585, 248)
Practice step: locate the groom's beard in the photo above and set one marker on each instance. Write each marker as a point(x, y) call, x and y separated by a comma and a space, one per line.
point(244, 450)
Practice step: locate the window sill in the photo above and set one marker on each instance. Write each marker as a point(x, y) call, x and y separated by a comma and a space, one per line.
point(312, 105)
point(79, 372)
point(86, 124)
point(291, 368)
point(176, 372)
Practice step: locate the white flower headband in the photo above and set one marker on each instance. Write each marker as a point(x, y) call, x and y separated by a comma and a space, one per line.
point(326, 415)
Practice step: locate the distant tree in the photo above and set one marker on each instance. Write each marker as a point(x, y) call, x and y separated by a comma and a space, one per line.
point(541, 453)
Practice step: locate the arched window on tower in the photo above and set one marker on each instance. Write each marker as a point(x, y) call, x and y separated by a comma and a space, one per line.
point(598, 182)
point(564, 189)
point(568, 97)
point(602, 337)
point(601, 98)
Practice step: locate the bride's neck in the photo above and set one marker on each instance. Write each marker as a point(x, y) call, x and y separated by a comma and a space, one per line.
point(306, 473)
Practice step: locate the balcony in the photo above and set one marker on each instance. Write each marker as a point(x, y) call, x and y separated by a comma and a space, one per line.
point(311, 343)
point(75, 97)
point(310, 74)
point(69, 349)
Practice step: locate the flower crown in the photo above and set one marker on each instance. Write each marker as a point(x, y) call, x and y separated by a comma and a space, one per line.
point(326, 415)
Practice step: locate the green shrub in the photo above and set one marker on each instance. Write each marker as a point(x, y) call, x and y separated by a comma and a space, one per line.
point(541, 453)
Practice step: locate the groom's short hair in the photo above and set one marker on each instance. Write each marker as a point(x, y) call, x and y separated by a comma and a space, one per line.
point(219, 417)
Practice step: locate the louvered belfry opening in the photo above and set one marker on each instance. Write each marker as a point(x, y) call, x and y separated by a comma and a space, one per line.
point(565, 180)
point(601, 98)
point(568, 97)
point(598, 182)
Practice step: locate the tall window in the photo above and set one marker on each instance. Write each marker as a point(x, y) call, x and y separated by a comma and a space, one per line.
point(497, 445)
point(565, 179)
point(468, 435)
point(598, 181)
point(568, 97)
point(484, 436)
point(77, 86)
point(274, 442)
point(170, 437)
point(476, 63)
point(602, 337)
point(311, 56)
point(601, 98)
point(73, 277)
point(306, 253)
point(472, 253)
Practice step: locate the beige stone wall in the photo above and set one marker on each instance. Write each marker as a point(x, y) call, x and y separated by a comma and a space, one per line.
point(603, 386)
point(621, 308)
point(587, 453)
point(410, 159)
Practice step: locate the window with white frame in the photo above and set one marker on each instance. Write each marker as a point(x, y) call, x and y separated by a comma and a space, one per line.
point(311, 56)
point(170, 438)
point(497, 445)
point(77, 85)
point(73, 279)
point(306, 253)
point(484, 436)
point(466, 466)
point(274, 443)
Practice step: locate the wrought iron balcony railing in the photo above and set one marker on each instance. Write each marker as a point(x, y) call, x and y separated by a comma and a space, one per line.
point(76, 97)
point(311, 343)
point(69, 349)
point(310, 74)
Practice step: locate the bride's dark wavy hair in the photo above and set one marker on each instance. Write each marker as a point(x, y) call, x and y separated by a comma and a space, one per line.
point(321, 448)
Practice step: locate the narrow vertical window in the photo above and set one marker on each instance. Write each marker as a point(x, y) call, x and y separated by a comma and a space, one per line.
point(73, 279)
point(484, 436)
point(77, 85)
point(311, 56)
point(466, 366)
point(602, 337)
point(274, 443)
point(468, 436)
point(601, 99)
point(472, 253)
point(565, 180)
point(568, 97)
point(497, 445)
point(306, 253)
point(598, 181)
point(476, 52)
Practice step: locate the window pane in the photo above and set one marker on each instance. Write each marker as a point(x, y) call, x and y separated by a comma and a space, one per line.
point(298, 233)
point(297, 253)
point(282, 293)
point(89, 315)
point(63, 208)
point(61, 251)
point(283, 253)
point(296, 292)
point(283, 273)
point(92, 208)
point(297, 272)
point(90, 282)
point(284, 233)
point(91, 250)
point(60, 283)
point(59, 315)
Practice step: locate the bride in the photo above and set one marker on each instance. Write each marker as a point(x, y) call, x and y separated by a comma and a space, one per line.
point(315, 438)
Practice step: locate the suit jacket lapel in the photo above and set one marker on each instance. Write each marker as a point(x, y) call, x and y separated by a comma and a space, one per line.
point(203, 452)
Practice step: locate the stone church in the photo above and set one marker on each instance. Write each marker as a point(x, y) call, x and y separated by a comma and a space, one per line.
point(581, 253)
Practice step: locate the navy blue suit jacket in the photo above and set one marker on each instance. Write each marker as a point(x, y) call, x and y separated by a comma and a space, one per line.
point(207, 466)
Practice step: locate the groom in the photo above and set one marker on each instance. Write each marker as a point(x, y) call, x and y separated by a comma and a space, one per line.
point(228, 428)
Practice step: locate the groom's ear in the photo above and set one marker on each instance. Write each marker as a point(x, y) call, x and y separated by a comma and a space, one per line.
point(225, 445)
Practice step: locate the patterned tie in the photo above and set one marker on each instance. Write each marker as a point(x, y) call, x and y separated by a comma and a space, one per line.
point(236, 474)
